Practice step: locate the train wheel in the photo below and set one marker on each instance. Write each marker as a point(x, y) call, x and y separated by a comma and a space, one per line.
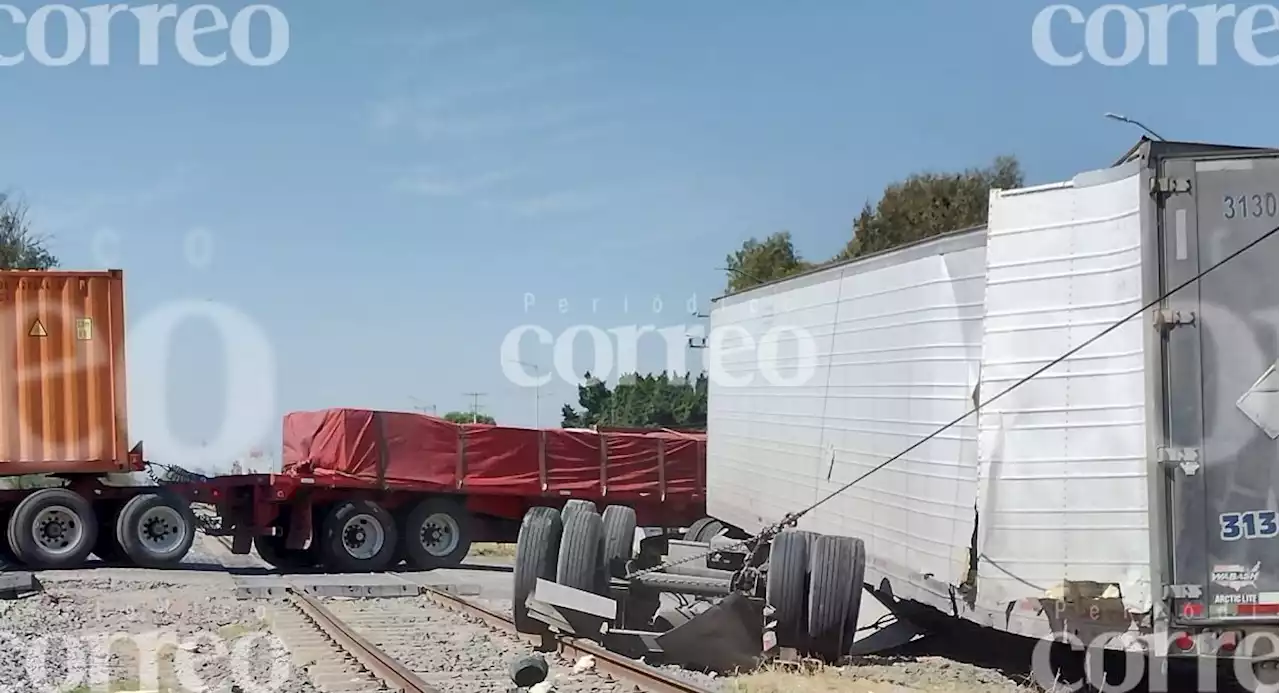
point(578, 563)
point(786, 583)
point(437, 534)
point(358, 537)
point(537, 548)
point(156, 529)
point(837, 566)
point(53, 528)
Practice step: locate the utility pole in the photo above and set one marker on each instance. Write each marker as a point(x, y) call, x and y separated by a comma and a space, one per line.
point(475, 404)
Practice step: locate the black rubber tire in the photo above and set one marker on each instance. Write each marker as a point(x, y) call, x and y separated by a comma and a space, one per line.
point(704, 529)
point(578, 563)
point(129, 530)
point(416, 553)
point(786, 586)
point(837, 566)
point(537, 550)
point(21, 527)
point(272, 550)
point(575, 504)
point(619, 539)
point(107, 548)
point(335, 556)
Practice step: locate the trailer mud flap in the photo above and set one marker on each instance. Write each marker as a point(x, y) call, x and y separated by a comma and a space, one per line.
point(726, 638)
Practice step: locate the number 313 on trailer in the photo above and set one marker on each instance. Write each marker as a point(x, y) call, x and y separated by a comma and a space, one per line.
point(1253, 524)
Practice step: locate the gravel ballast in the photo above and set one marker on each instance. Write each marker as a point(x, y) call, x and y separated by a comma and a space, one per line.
point(99, 634)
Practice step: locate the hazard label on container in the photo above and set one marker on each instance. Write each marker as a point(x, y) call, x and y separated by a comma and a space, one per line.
point(37, 329)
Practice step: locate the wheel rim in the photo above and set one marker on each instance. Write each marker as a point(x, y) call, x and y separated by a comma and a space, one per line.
point(161, 529)
point(440, 534)
point(57, 530)
point(362, 537)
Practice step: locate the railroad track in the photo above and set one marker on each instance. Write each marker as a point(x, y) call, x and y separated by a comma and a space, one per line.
point(430, 644)
point(375, 663)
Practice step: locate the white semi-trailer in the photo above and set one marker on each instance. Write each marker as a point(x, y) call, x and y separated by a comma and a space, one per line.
point(1023, 426)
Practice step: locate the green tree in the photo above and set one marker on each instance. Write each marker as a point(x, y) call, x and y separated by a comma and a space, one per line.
point(927, 204)
point(758, 262)
point(466, 417)
point(640, 401)
point(20, 247)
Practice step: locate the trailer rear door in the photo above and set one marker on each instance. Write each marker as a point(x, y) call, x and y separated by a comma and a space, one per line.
point(1219, 366)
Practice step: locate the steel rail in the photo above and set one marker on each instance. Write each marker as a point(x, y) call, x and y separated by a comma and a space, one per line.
point(641, 675)
point(377, 662)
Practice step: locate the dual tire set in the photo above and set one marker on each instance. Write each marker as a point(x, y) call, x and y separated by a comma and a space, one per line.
point(363, 536)
point(814, 584)
point(56, 528)
point(577, 547)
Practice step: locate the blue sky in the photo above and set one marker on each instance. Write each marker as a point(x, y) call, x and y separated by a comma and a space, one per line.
point(380, 202)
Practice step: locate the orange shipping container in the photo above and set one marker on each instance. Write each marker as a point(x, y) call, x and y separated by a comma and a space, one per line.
point(62, 375)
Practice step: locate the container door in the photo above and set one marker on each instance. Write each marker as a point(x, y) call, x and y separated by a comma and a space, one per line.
point(1220, 386)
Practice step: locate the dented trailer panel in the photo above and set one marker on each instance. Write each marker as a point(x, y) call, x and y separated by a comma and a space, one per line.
point(1077, 522)
point(1063, 493)
point(1217, 409)
point(897, 339)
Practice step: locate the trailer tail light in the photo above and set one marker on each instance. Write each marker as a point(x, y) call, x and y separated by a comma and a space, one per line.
point(1257, 609)
point(1227, 642)
point(1184, 642)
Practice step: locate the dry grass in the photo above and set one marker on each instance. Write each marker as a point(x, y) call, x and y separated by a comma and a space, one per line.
point(777, 678)
point(488, 550)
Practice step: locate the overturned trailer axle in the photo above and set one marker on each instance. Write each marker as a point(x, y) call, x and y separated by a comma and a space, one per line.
point(705, 605)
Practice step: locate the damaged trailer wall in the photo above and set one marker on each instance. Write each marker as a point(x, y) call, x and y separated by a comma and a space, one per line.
point(1055, 471)
point(1063, 490)
point(895, 343)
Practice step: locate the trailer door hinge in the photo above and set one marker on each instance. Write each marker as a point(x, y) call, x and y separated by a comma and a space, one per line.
point(1186, 459)
point(1170, 186)
point(1166, 320)
point(1183, 591)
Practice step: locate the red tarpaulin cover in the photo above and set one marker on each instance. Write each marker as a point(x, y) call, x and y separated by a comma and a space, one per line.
point(397, 449)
